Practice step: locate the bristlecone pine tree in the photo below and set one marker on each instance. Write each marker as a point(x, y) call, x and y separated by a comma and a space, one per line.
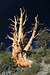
point(18, 48)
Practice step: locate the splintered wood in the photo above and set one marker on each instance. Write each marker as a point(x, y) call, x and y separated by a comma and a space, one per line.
point(18, 55)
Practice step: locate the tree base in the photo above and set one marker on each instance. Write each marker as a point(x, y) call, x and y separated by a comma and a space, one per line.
point(21, 62)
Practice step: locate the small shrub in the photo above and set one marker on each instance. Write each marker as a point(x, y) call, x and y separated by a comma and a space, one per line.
point(37, 57)
point(42, 52)
point(35, 68)
point(48, 73)
point(47, 60)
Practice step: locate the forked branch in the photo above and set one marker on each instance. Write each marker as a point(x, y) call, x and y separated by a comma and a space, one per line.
point(33, 35)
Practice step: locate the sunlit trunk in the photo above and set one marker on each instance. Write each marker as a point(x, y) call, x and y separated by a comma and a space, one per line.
point(18, 56)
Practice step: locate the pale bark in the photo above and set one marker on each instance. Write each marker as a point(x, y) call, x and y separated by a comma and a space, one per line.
point(18, 57)
point(21, 23)
point(33, 35)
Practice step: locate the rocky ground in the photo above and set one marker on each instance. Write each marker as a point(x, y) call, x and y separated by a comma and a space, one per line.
point(45, 68)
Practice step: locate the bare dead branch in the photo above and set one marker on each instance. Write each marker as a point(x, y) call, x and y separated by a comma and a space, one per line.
point(25, 20)
point(20, 32)
point(33, 35)
point(12, 20)
point(12, 25)
point(22, 12)
point(11, 32)
point(10, 37)
point(15, 26)
point(11, 28)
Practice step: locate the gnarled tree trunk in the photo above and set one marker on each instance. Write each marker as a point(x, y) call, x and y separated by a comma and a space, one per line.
point(18, 56)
